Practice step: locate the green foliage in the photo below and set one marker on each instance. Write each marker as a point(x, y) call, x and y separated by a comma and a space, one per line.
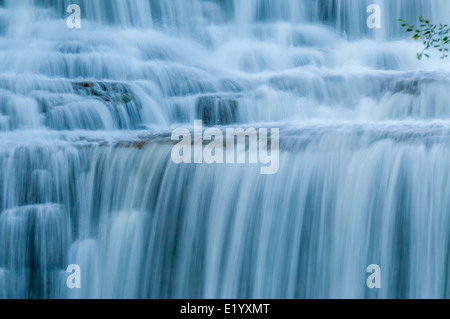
point(434, 36)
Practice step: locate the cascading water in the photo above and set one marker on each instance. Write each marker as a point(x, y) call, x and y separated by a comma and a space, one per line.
point(85, 151)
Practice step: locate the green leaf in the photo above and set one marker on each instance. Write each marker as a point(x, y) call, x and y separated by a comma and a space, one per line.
point(435, 36)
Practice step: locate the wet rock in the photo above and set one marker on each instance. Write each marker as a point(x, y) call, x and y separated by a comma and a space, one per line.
point(107, 92)
point(411, 87)
point(215, 110)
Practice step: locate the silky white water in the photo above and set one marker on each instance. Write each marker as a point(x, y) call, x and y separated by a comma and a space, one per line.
point(86, 175)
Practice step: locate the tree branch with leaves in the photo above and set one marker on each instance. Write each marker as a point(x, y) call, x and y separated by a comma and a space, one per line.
point(434, 36)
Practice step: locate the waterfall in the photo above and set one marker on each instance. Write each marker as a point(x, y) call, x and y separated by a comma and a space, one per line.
point(86, 175)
